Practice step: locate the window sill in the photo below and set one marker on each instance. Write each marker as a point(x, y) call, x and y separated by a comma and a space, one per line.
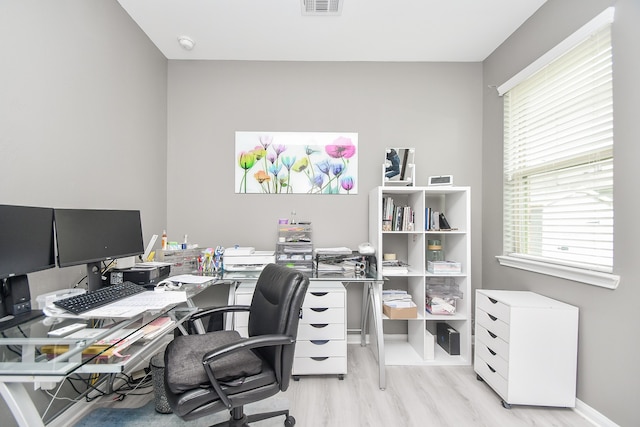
point(590, 277)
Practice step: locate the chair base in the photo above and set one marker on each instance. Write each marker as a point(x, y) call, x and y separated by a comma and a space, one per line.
point(240, 419)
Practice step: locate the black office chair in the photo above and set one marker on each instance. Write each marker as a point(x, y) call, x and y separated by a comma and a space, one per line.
point(220, 370)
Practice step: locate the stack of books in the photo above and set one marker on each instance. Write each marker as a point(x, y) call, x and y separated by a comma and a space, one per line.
point(396, 217)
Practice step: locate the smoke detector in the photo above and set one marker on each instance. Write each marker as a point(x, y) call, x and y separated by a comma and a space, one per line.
point(186, 43)
point(321, 7)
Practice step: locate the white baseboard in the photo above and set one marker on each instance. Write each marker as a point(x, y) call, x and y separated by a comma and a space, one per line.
point(592, 415)
point(354, 338)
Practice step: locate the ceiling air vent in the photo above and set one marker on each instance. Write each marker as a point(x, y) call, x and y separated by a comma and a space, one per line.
point(321, 7)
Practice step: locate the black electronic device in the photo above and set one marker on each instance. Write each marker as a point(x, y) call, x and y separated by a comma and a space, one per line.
point(441, 180)
point(26, 233)
point(145, 276)
point(444, 224)
point(448, 338)
point(17, 299)
point(91, 236)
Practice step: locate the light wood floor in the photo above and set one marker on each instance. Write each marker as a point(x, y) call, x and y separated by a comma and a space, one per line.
point(415, 396)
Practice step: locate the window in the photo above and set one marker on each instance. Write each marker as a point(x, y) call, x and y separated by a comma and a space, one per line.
point(558, 160)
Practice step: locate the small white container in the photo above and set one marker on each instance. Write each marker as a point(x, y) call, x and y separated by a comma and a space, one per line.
point(48, 298)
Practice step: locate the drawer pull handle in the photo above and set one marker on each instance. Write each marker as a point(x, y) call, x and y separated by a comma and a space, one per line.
point(493, 353)
point(492, 334)
point(489, 366)
point(319, 310)
point(319, 294)
point(494, 318)
point(319, 359)
point(319, 325)
point(493, 301)
point(319, 342)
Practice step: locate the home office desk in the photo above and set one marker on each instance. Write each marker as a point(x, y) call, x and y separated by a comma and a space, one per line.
point(371, 304)
point(29, 355)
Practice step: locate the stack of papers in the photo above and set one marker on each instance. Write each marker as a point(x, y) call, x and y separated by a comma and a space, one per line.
point(395, 267)
point(333, 251)
point(158, 327)
point(111, 345)
point(397, 298)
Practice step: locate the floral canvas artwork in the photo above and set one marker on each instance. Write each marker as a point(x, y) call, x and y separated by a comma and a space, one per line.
point(296, 162)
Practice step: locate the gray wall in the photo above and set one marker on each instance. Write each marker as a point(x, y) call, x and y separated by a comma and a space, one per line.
point(82, 118)
point(608, 369)
point(83, 111)
point(435, 108)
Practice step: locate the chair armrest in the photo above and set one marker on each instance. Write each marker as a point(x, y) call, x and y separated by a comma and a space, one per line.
point(247, 344)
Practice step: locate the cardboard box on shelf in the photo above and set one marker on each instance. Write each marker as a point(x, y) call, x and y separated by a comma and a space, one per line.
point(404, 311)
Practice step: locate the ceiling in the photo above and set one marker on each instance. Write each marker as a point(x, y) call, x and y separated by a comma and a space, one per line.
point(365, 30)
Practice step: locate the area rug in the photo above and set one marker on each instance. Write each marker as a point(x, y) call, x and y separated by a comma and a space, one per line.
point(147, 416)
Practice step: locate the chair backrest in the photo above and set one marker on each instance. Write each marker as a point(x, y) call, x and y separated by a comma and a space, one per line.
point(275, 309)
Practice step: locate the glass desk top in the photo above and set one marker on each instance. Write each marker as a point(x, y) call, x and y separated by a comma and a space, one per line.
point(100, 345)
point(27, 348)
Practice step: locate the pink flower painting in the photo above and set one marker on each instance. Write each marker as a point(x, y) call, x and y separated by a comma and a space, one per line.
point(296, 162)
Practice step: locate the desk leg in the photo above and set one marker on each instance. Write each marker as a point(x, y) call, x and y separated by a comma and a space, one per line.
point(21, 405)
point(375, 302)
point(198, 323)
point(231, 300)
point(364, 317)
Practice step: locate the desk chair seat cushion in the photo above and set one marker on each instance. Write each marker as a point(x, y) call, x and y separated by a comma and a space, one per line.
point(192, 404)
point(183, 361)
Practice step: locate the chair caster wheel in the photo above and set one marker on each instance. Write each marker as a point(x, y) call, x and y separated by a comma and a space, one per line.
point(296, 378)
point(289, 421)
point(341, 377)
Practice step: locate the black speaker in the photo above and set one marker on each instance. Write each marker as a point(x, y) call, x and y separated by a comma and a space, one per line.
point(17, 298)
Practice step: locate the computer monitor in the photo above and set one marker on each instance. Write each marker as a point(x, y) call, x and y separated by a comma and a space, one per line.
point(26, 246)
point(91, 236)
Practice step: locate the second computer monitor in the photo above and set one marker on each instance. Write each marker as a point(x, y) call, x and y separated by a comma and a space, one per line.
point(90, 236)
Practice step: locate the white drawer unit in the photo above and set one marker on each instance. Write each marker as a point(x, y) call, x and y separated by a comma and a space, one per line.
point(526, 347)
point(322, 333)
point(321, 348)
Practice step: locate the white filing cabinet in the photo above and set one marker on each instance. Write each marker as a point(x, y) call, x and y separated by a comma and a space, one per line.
point(526, 347)
point(322, 333)
point(321, 347)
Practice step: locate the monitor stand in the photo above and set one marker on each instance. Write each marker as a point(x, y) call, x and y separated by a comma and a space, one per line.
point(94, 276)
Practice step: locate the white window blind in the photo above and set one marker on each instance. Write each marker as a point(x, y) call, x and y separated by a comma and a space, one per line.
point(558, 160)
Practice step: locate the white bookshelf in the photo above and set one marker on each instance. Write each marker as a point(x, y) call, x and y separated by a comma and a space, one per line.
point(407, 340)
